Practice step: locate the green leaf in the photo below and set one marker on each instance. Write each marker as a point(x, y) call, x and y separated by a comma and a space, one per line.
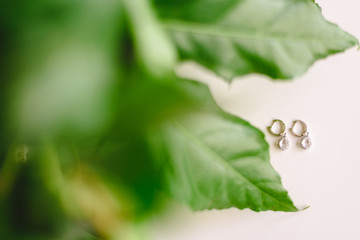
point(122, 157)
point(280, 38)
point(30, 208)
point(62, 72)
point(216, 160)
point(156, 52)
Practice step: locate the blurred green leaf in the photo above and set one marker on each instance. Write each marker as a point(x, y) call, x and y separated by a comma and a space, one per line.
point(30, 210)
point(156, 52)
point(216, 160)
point(122, 156)
point(280, 39)
point(62, 72)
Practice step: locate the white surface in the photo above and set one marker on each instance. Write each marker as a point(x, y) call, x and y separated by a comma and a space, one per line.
point(327, 177)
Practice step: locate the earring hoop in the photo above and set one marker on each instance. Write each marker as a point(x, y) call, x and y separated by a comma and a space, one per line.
point(282, 127)
point(303, 125)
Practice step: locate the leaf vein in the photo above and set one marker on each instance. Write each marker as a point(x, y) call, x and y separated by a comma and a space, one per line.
point(205, 29)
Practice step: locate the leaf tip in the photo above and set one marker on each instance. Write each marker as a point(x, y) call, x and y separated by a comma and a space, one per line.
point(304, 208)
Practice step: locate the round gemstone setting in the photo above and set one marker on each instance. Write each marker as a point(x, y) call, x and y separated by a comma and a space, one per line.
point(305, 142)
point(283, 143)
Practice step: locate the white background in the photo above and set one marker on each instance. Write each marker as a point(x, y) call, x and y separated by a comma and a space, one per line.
point(327, 177)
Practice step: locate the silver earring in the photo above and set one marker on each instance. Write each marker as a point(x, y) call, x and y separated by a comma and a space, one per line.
point(283, 142)
point(305, 141)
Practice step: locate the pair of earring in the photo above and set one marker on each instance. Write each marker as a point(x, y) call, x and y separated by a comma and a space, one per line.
point(283, 142)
